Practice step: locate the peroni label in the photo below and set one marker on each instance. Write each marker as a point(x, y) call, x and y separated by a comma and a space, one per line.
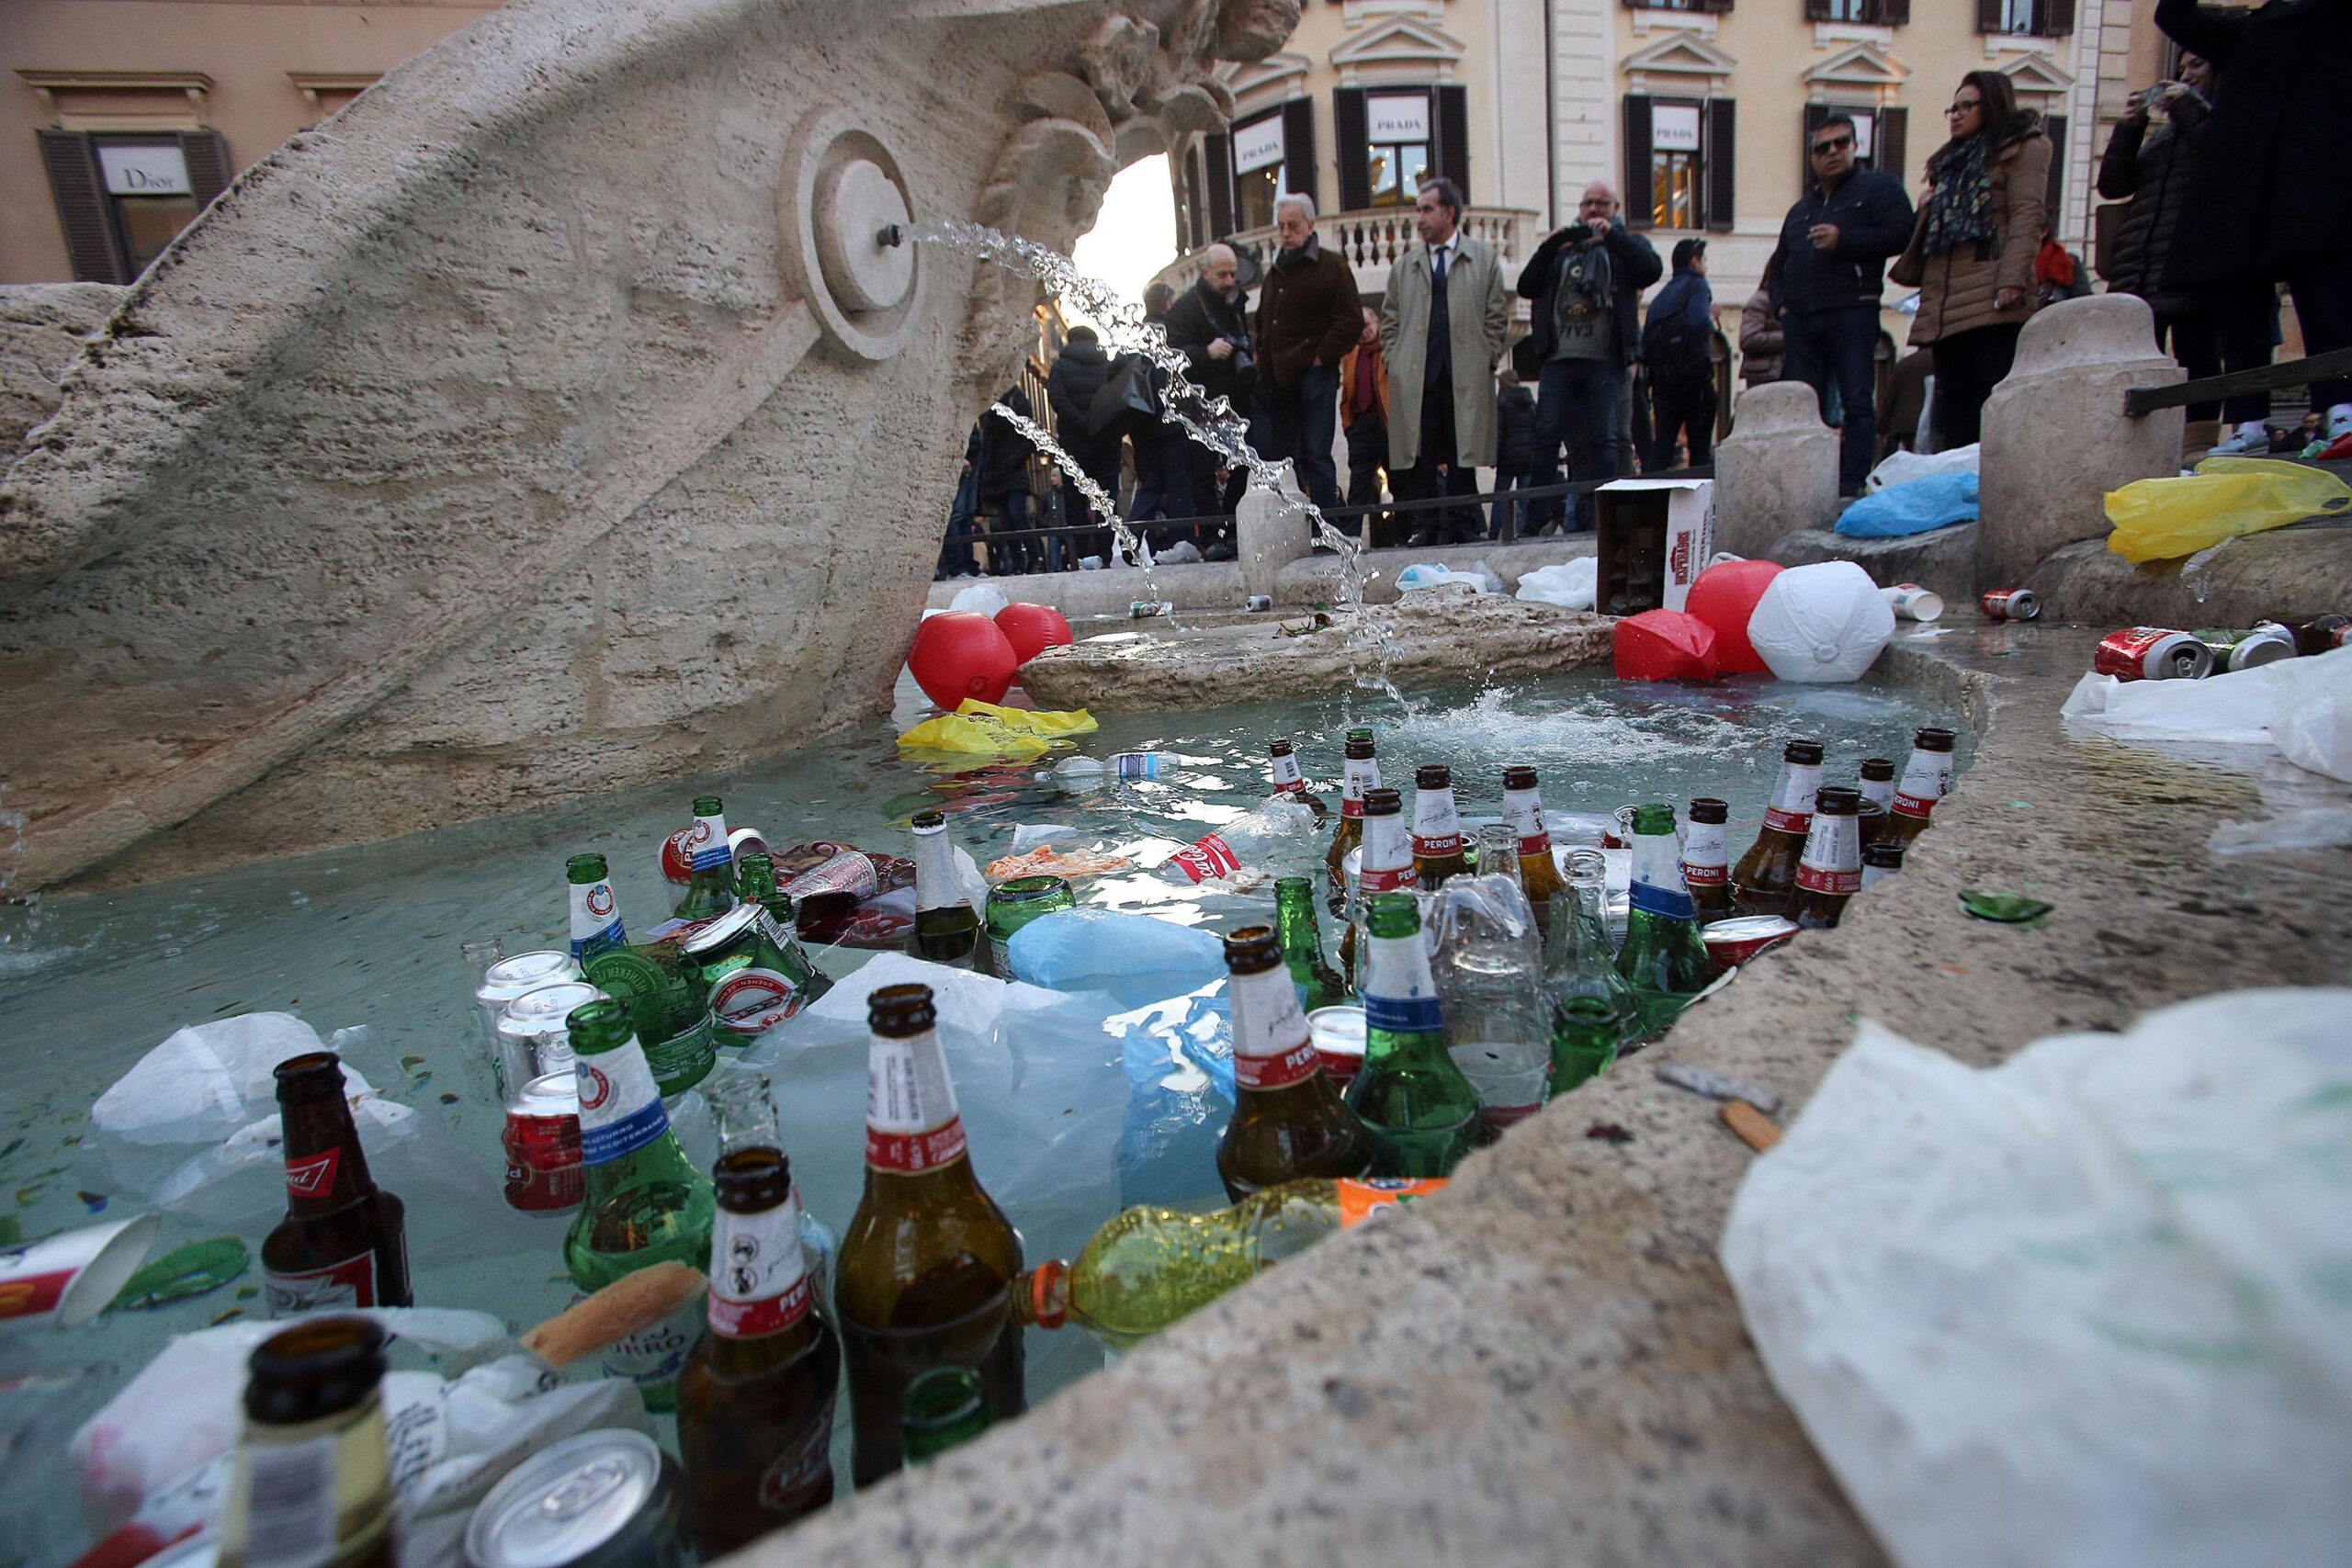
point(620, 1110)
point(1833, 856)
point(911, 1118)
point(1360, 774)
point(759, 1279)
point(1288, 779)
point(800, 1462)
point(1272, 1046)
point(1927, 779)
point(1437, 826)
point(1793, 796)
point(1523, 810)
point(1705, 857)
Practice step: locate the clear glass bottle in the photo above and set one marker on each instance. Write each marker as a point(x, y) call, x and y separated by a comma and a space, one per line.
point(1594, 1009)
point(1488, 965)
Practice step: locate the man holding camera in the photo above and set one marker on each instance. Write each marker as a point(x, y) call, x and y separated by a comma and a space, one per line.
point(1207, 327)
point(1584, 331)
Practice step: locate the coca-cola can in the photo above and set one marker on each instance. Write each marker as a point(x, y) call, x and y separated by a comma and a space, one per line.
point(2151, 653)
point(543, 1160)
point(2011, 604)
point(1743, 937)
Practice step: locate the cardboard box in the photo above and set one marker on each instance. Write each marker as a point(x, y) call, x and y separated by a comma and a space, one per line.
point(1654, 536)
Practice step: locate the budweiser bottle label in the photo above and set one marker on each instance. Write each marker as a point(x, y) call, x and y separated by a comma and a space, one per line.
point(1288, 779)
point(1387, 857)
point(1706, 861)
point(1833, 856)
point(1523, 810)
point(312, 1176)
point(1658, 887)
point(350, 1283)
point(759, 1278)
point(620, 1109)
point(595, 918)
point(912, 1123)
point(1272, 1047)
point(1360, 773)
point(1437, 826)
point(1927, 779)
point(1400, 994)
point(705, 843)
point(1207, 859)
point(1792, 793)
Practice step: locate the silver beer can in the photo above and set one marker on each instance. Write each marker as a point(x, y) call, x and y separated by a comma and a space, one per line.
point(530, 1021)
point(512, 977)
point(605, 1499)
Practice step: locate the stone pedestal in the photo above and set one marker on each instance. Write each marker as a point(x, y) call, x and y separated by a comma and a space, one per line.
point(1777, 471)
point(1270, 530)
point(2056, 437)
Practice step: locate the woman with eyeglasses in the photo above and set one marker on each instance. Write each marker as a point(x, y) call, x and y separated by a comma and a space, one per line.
point(1972, 248)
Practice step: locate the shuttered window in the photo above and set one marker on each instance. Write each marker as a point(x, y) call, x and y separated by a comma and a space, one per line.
point(1353, 148)
point(1637, 159)
point(82, 211)
point(1218, 152)
point(1452, 153)
point(1892, 153)
point(2026, 18)
point(2054, 126)
point(1722, 152)
point(122, 196)
point(1300, 169)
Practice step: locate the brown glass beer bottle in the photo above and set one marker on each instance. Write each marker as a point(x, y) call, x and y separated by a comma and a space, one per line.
point(1767, 874)
point(1361, 773)
point(1703, 868)
point(1288, 1122)
point(1927, 779)
point(1539, 874)
point(343, 1242)
point(1437, 828)
point(1831, 871)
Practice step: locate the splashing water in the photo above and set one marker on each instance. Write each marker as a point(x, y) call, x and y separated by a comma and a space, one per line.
point(1043, 441)
point(1212, 421)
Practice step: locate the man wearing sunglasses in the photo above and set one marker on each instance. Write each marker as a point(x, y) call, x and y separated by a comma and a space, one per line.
point(1832, 264)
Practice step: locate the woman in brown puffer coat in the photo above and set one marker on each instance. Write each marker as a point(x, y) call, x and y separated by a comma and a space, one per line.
point(1972, 252)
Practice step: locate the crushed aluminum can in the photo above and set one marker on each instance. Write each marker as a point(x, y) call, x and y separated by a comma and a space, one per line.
point(2011, 604)
point(1144, 609)
point(2151, 653)
point(1716, 1086)
point(1259, 602)
point(1734, 941)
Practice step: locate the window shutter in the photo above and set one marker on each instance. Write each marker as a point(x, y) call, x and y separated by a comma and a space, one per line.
point(1640, 193)
point(1452, 153)
point(2054, 127)
point(2059, 15)
point(1894, 142)
point(82, 207)
point(1219, 151)
point(1722, 147)
point(1894, 13)
point(1815, 117)
point(1299, 169)
point(1989, 16)
point(1817, 10)
point(1354, 151)
point(209, 169)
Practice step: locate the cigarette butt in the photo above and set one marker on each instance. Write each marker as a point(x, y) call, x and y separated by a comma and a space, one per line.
point(628, 1304)
point(1755, 1129)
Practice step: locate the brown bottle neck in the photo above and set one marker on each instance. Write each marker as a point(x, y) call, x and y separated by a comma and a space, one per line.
point(325, 1167)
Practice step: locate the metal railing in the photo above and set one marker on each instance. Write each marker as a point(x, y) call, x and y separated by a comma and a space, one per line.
point(1372, 239)
point(2142, 400)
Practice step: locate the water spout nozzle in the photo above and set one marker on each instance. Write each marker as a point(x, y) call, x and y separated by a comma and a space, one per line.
point(892, 235)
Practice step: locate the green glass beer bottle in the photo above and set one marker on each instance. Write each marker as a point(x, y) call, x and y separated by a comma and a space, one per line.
point(710, 885)
point(1663, 956)
point(596, 914)
point(1288, 1122)
point(1318, 984)
point(644, 1203)
point(947, 929)
point(944, 1408)
point(926, 1269)
point(1423, 1114)
point(1014, 903)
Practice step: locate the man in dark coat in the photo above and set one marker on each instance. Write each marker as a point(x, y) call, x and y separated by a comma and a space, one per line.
point(1206, 325)
point(1310, 315)
point(1163, 452)
point(1080, 372)
point(1004, 484)
point(2266, 202)
point(1514, 454)
point(1586, 327)
point(1831, 266)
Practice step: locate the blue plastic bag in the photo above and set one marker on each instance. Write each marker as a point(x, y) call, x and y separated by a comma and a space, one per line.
point(1916, 506)
point(1134, 957)
point(1177, 1054)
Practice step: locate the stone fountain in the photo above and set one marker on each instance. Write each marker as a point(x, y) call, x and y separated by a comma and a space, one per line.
point(513, 434)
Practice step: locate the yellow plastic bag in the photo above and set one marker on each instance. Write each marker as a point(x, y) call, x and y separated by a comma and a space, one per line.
point(986, 730)
point(2166, 519)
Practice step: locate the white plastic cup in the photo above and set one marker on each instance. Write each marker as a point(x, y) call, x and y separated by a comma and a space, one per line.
point(62, 1282)
point(1912, 602)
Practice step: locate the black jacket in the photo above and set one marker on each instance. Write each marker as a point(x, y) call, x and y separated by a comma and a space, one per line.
point(1003, 467)
point(2268, 185)
point(1873, 221)
point(1637, 265)
point(1515, 430)
point(2149, 165)
point(1079, 372)
point(1197, 319)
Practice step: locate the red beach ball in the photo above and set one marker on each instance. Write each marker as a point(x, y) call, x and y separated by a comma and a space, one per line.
point(1725, 597)
point(961, 654)
point(1033, 628)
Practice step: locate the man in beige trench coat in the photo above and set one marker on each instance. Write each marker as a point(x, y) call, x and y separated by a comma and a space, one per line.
point(1442, 326)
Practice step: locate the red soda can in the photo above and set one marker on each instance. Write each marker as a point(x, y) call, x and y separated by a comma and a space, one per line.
point(2151, 653)
point(2011, 604)
point(543, 1161)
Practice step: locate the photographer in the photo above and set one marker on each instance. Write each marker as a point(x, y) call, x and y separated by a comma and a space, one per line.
point(2148, 160)
point(1207, 326)
point(1584, 331)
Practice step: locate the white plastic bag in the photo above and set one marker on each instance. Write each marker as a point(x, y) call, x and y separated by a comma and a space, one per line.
point(981, 598)
point(2302, 707)
point(1429, 574)
point(1824, 622)
point(1570, 584)
point(2085, 1308)
point(1901, 468)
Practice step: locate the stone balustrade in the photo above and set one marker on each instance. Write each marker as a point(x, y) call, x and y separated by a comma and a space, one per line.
point(1372, 239)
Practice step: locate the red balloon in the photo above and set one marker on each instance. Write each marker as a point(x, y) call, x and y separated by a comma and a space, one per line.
point(1725, 597)
point(961, 654)
point(1664, 645)
point(1033, 628)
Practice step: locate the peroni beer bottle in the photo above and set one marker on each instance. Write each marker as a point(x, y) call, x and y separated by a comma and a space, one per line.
point(1706, 870)
point(1288, 1122)
point(1282, 766)
point(1767, 874)
point(343, 1242)
point(1437, 828)
point(1360, 775)
point(1538, 875)
point(1386, 866)
point(1927, 779)
point(1831, 871)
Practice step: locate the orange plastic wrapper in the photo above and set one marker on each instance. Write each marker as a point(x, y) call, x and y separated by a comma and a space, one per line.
point(1046, 861)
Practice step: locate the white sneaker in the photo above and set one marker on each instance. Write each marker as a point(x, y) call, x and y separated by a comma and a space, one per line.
point(2339, 422)
point(2252, 440)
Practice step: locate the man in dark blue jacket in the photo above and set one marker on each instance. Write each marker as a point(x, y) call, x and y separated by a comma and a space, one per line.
point(1832, 260)
point(1586, 329)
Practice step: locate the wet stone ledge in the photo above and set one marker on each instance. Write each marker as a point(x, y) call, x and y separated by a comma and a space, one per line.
point(1545, 1365)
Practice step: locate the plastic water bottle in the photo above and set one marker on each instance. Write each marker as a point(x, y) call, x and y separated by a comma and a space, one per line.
point(1489, 971)
point(1249, 841)
point(1088, 771)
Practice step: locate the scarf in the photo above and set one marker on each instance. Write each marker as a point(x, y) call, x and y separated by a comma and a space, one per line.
point(1960, 209)
point(2054, 266)
point(1290, 261)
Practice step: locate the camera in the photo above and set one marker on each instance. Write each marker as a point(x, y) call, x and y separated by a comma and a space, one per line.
point(1578, 233)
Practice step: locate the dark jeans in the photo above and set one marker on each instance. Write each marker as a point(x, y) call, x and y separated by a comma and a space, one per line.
point(1687, 410)
point(1163, 474)
point(1968, 367)
point(1367, 455)
point(1006, 512)
point(1303, 418)
point(2194, 345)
point(2246, 322)
point(1837, 351)
point(1582, 402)
point(1509, 517)
point(955, 553)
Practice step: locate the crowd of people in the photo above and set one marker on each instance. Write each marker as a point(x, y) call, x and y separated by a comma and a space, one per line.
point(1425, 386)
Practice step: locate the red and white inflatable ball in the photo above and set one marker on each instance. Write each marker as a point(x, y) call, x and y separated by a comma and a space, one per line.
point(960, 654)
point(1033, 628)
point(1664, 645)
point(1725, 597)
